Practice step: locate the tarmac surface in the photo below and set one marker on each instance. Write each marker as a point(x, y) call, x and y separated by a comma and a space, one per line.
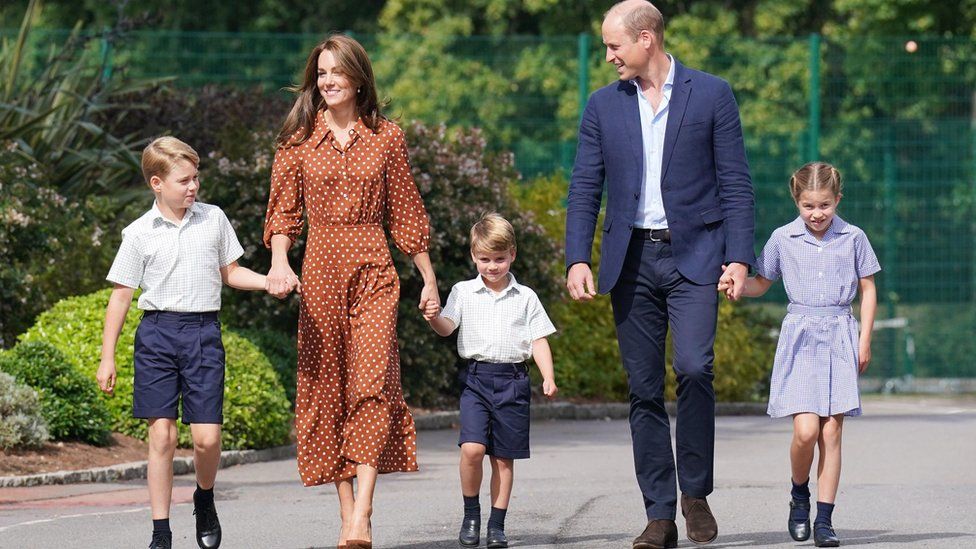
point(909, 480)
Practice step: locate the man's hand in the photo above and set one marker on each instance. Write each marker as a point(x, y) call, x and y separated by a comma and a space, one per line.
point(734, 279)
point(579, 282)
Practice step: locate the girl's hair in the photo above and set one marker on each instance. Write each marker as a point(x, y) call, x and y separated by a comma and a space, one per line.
point(159, 156)
point(352, 60)
point(492, 233)
point(815, 176)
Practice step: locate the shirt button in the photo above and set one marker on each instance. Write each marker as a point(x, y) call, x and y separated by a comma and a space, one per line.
point(819, 249)
point(820, 275)
point(636, 196)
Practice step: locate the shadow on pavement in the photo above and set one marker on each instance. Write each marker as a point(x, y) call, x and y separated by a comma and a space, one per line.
point(616, 540)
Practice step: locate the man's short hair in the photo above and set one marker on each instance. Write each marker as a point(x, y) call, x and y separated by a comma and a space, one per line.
point(642, 16)
point(159, 156)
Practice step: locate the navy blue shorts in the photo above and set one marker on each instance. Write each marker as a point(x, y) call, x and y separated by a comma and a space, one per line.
point(495, 408)
point(179, 354)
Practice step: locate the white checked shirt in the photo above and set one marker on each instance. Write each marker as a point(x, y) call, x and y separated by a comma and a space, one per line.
point(496, 327)
point(177, 265)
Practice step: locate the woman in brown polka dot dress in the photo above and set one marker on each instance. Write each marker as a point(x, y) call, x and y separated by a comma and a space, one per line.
point(342, 164)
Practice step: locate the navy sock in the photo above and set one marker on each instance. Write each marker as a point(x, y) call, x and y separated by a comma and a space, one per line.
point(203, 497)
point(801, 491)
point(497, 519)
point(824, 510)
point(472, 507)
point(161, 525)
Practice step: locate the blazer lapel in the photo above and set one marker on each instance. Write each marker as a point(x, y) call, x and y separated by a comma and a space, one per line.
point(680, 91)
point(631, 114)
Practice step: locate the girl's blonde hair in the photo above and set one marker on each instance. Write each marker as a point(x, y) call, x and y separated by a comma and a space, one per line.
point(815, 176)
point(159, 156)
point(352, 60)
point(492, 233)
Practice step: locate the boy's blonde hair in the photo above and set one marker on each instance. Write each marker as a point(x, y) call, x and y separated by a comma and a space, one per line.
point(815, 176)
point(492, 233)
point(159, 156)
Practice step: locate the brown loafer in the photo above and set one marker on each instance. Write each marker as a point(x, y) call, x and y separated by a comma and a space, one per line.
point(699, 520)
point(659, 534)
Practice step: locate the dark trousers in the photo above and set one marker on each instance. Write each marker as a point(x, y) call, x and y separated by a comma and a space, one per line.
point(649, 295)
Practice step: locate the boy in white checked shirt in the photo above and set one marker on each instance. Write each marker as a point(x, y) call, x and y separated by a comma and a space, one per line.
point(179, 252)
point(501, 323)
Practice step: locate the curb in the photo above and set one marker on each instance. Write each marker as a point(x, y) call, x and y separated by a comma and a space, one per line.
point(426, 422)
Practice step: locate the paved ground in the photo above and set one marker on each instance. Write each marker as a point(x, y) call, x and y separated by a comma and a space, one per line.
point(909, 481)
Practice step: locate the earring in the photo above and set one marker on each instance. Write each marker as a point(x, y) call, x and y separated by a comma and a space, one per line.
point(359, 90)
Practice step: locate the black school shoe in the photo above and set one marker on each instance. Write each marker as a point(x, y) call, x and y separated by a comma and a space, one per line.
point(208, 527)
point(496, 538)
point(161, 540)
point(799, 529)
point(824, 536)
point(470, 534)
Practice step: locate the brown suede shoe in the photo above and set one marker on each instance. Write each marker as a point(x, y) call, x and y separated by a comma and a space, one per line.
point(699, 520)
point(659, 534)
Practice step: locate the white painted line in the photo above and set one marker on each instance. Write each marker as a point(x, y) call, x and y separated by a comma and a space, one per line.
point(60, 517)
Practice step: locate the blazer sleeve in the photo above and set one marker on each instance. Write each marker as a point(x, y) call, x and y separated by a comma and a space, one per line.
point(734, 182)
point(585, 188)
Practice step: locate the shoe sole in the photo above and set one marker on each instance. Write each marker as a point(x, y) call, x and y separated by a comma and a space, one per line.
point(653, 546)
point(475, 544)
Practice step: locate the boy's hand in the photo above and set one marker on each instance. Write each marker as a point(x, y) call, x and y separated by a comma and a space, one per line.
point(106, 376)
point(549, 388)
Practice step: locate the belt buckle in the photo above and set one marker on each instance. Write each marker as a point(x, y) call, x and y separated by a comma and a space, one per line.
point(650, 235)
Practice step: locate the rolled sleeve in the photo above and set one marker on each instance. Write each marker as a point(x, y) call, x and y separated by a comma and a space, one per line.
point(865, 259)
point(768, 264)
point(129, 265)
point(452, 309)
point(538, 321)
point(230, 247)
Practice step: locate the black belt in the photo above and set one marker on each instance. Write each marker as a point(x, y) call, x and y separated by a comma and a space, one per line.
point(656, 235)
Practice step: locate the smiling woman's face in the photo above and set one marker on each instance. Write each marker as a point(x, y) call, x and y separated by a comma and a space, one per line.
point(334, 84)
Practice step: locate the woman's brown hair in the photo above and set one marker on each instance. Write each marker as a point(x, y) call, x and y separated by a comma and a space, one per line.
point(351, 58)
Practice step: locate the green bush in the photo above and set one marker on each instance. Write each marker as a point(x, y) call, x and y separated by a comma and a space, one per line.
point(21, 424)
point(70, 402)
point(282, 352)
point(585, 351)
point(256, 411)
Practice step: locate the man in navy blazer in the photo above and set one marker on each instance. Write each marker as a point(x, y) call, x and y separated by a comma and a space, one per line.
point(665, 142)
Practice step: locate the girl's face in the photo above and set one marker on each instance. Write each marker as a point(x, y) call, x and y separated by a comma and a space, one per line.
point(334, 84)
point(817, 208)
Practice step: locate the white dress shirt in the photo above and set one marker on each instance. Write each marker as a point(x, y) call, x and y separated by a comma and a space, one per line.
point(650, 209)
point(496, 327)
point(177, 265)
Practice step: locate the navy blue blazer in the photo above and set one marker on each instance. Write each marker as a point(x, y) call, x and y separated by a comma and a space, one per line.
point(705, 182)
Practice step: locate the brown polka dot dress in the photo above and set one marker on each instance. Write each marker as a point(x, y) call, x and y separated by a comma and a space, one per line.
point(349, 407)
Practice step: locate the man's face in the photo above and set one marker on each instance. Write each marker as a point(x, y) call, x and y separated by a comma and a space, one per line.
point(629, 56)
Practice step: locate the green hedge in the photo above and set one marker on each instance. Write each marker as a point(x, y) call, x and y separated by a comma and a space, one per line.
point(21, 424)
point(70, 402)
point(256, 411)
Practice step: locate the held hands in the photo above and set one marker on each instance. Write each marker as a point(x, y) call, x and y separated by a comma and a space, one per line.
point(430, 301)
point(733, 280)
point(106, 376)
point(579, 282)
point(281, 280)
point(549, 388)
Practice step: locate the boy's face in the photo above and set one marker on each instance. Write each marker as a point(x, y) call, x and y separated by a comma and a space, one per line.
point(493, 266)
point(178, 189)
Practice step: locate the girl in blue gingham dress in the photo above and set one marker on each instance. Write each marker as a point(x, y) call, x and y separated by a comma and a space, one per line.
point(823, 261)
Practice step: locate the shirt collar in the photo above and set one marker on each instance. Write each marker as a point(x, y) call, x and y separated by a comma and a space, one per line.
point(512, 285)
point(359, 129)
point(668, 82)
point(798, 228)
point(155, 215)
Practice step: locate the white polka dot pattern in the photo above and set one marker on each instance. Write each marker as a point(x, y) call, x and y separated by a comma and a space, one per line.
point(349, 407)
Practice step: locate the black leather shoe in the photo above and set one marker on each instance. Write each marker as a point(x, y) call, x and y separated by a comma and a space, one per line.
point(799, 529)
point(470, 534)
point(824, 536)
point(659, 534)
point(208, 527)
point(161, 540)
point(496, 538)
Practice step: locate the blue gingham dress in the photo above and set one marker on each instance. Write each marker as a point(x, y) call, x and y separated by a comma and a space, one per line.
point(815, 369)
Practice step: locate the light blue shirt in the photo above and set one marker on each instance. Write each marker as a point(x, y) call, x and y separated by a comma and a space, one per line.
point(650, 209)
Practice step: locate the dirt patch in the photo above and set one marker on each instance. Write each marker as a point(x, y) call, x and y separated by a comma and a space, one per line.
point(71, 456)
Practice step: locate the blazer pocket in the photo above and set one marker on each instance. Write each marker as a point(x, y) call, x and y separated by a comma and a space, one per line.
point(712, 215)
point(689, 123)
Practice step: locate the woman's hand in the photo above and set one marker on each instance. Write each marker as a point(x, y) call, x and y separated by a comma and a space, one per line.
point(281, 281)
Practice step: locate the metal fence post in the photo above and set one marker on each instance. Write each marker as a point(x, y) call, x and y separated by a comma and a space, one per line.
point(583, 59)
point(890, 224)
point(813, 135)
point(106, 57)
